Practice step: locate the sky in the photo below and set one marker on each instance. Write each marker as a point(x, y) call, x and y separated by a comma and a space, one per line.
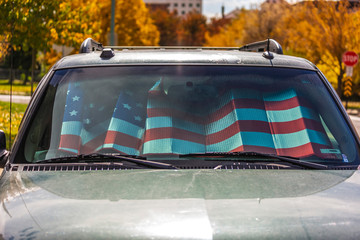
point(212, 8)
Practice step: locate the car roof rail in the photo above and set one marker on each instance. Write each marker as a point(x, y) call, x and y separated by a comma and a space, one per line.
point(269, 45)
point(170, 47)
point(90, 45)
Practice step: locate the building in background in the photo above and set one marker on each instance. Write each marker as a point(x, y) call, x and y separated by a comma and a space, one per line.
point(182, 7)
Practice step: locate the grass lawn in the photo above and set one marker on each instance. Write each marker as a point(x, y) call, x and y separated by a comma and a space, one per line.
point(352, 105)
point(17, 113)
point(17, 88)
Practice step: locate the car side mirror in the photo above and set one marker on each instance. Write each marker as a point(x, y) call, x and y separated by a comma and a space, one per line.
point(3, 152)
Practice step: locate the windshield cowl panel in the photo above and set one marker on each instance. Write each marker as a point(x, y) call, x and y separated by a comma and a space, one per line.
point(155, 111)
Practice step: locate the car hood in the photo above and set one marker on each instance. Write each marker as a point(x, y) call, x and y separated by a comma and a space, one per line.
point(183, 204)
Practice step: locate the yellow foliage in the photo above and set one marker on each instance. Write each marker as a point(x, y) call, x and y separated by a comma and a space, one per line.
point(230, 36)
point(52, 57)
point(4, 46)
point(54, 34)
point(77, 20)
point(133, 25)
point(322, 31)
point(250, 26)
point(330, 69)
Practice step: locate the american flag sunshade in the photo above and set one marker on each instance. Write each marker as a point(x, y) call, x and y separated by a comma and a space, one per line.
point(237, 119)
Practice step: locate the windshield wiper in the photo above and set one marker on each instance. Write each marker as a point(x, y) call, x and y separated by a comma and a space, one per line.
point(100, 157)
point(288, 159)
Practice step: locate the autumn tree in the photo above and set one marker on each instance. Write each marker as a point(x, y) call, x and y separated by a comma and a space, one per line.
point(133, 24)
point(231, 35)
point(250, 25)
point(168, 24)
point(77, 20)
point(24, 25)
point(12, 21)
point(4, 46)
point(38, 24)
point(262, 23)
point(73, 21)
point(37, 16)
point(216, 25)
point(193, 29)
point(322, 31)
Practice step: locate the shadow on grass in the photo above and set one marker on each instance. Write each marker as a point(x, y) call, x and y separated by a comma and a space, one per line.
point(17, 87)
point(352, 105)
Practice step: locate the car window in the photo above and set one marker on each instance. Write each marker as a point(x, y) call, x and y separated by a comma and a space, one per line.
point(173, 110)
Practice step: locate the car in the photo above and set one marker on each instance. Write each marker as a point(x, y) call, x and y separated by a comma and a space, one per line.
point(182, 143)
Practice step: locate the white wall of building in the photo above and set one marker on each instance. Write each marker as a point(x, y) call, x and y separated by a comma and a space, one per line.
point(181, 6)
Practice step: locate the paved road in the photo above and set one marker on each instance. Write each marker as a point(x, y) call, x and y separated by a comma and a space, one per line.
point(15, 99)
point(356, 122)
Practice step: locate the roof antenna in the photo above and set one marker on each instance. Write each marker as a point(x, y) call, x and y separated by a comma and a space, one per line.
point(267, 54)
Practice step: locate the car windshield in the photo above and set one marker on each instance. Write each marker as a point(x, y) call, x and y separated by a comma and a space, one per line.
point(177, 110)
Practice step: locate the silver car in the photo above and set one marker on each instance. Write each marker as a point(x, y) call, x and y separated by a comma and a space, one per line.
point(182, 143)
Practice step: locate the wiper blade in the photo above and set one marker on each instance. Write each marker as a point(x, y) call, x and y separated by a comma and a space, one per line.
point(288, 159)
point(99, 157)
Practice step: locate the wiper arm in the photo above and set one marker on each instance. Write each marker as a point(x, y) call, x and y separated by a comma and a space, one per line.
point(99, 157)
point(288, 159)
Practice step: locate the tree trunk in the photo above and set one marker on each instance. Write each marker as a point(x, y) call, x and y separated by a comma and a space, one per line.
point(340, 78)
point(26, 76)
point(12, 74)
point(339, 86)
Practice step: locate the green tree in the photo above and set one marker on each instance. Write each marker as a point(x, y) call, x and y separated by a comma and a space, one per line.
point(24, 25)
point(38, 24)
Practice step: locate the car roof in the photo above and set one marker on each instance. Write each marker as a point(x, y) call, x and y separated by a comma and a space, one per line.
point(93, 54)
point(186, 57)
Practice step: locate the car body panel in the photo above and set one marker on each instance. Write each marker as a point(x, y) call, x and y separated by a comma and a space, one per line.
point(184, 204)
